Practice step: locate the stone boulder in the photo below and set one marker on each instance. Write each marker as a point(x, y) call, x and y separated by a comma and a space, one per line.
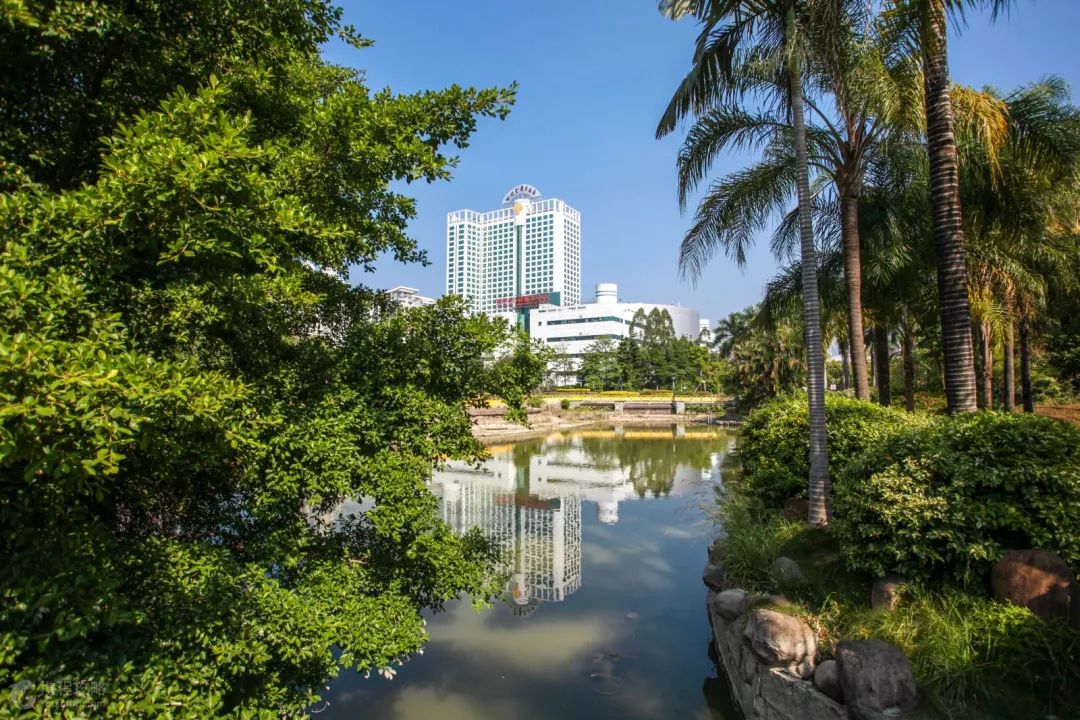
point(714, 576)
point(876, 679)
point(1040, 581)
point(782, 641)
point(730, 604)
point(827, 680)
point(786, 571)
point(716, 551)
point(885, 595)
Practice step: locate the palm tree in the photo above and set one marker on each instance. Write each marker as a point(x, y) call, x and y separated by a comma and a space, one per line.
point(871, 102)
point(730, 331)
point(755, 47)
point(1014, 198)
point(923, 24)
point(766, 354)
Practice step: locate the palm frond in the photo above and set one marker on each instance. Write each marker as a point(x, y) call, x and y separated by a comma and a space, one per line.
point(734, 210)
point(718, 129)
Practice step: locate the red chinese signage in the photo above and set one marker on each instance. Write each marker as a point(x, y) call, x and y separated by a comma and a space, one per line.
point(522, 302)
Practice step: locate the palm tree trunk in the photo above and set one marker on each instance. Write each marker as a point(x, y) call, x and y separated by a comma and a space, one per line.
point(845, 364)
point(881, 364)
point(987, 367)
point(873, 364)
point(1025, 364)
point(849, 229)
point(956, 346)
point(820, 511)
point(1010, 368)
point(907, 348)
point(976, 337)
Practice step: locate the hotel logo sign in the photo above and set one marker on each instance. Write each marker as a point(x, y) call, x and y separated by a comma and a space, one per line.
point(518, 192)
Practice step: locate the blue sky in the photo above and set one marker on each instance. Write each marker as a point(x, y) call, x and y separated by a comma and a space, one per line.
point(594, 76)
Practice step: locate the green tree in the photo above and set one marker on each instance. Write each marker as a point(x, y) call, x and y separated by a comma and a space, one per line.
point(1017, 200)
point(562, 370)
point(519, 370)
point(763, 353)
point(600, 366)
point(631, 364)
point(757, 48)
point(190, 387)
point(922, 26)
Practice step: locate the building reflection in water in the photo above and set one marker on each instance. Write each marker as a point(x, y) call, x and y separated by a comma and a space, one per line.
point(527, 499)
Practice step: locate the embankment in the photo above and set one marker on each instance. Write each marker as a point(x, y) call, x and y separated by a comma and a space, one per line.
point(491, 427)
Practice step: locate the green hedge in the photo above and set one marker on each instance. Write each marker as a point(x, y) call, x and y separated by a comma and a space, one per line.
point(775, 440)
point(947, 498)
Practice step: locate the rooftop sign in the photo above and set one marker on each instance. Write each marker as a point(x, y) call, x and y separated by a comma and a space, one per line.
point(528, 302)
point(521, 191)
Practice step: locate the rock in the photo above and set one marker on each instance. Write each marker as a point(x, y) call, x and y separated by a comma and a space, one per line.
point(796, 509)
point(885, 595)
point(716, 551)
point(876, 679)
point(1040, 581)
point(730, 604)
point(827, 680)
point(714, 576)
point(782, 641)
point(786, 571)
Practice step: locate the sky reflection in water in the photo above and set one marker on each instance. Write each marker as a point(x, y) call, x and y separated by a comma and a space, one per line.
point(603, 539)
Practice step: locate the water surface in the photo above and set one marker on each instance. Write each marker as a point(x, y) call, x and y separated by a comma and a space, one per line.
point(603, 537)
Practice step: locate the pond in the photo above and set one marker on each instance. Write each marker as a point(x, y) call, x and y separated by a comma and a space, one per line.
point(603, 536)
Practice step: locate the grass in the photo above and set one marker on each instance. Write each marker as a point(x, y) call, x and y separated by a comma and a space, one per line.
point(974, 657)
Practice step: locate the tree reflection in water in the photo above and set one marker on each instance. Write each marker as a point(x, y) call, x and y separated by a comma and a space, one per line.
point(527, 499)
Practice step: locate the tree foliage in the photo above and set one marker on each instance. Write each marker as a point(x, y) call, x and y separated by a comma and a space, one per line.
point(190, 387)
point(651, 357)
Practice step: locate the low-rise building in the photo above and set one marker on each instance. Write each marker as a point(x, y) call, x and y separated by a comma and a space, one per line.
point(571, 329)
point(409, 297)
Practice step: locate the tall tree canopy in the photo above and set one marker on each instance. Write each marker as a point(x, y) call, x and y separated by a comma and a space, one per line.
point(190, 388)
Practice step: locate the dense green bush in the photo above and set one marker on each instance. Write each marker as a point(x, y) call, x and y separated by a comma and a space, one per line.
point(190, 384)
point(775, 440)
point(948, 497)
point(564, 404)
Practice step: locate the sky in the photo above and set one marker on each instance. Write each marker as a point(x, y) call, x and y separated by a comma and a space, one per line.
point(594, 77)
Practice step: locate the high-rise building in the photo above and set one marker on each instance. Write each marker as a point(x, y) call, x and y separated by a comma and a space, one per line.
point(526, 254)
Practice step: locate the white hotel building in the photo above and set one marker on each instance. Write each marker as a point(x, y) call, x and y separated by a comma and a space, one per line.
point(523, 255)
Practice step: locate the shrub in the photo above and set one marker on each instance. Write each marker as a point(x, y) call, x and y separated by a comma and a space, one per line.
point(972, 654)
point(564, 404)
point(948, 497)
point(1046, 388)
point(775, 442)
point(973, 657)
point(752, 540)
